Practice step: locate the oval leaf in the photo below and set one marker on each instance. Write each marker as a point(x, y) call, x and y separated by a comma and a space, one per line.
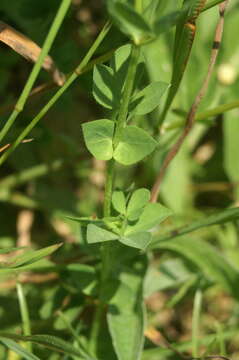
point(152, 215)
point(98, 138)
point(95, 234)
point(133, 146)
point(147, 99)
point(119, 201)
point(137, 202)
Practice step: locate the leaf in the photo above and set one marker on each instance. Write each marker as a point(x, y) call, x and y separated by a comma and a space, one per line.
point(8, 250)
point(166, 22)
point(207, 258)
point(18, 349)
point(134, 145)
point(153, 214)
point(95, 234)
point(119, 201)
point(106, 91)
point(147, 99)
point(137, 202)
point(139, 240)
point(126, 313)
point(32, 256)
point(98, 138)
point(129, 21)
point(50, 342)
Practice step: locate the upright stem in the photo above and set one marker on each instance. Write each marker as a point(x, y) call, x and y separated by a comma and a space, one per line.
point(107, 250)
point(128, 89)
point(26, 325)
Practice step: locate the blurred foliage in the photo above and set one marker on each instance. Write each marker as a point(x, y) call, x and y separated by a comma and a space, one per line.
point(54, 176)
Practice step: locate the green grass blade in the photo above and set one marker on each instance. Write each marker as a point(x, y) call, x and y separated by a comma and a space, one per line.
point(37, 67)
point(58, 94)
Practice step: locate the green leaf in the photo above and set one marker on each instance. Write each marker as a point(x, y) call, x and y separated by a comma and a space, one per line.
point(147, 99)
point(129, 21)
point(98, 138)
point(208, 259)
point(18, 349)
point(31, 256)
point(134, 145)
point(119, 61)
point(119, 202)
point(96, 234)
point(166, 22)
point(139, 240)
point(137, 202)
point(152, 215)
point(50, 342)
point(106, 88)
point(8, 250)
point(126, 313)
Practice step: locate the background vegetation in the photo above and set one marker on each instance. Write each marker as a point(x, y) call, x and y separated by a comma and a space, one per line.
point(191, 286)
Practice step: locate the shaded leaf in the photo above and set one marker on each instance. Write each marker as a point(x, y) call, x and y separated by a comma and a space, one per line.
point(18, 349)
point(166, 22)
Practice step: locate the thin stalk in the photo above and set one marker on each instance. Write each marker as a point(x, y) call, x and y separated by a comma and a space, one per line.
point(107, 250)
point(26, 324)
point(37, 67)
point(197, 307)
point(128, 89)
point(109, 187)
point(58, 94)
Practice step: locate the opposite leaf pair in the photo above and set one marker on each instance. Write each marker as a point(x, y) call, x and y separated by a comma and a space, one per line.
point(132, 227)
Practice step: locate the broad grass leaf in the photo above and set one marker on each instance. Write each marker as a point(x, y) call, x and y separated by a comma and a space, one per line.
point(51, 342)
point(128, 20)
point(32, 256)
point(126, 314)
point(98, 136)
point(146, 100)
point(208, 259)
point(139, 240)
point(152, 215)
point(18, 349)
point(137, 202)
point(106, 88)
point(134, 145)
point(119, 202)
point(96, 234)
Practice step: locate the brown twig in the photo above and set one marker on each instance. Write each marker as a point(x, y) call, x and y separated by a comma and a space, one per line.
point(192, 112)
point(5, 147)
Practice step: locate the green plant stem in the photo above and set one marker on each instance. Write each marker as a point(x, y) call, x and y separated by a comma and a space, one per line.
point(128, 88)
point(26, 324)
point(109, 187)
point(37, 67)
point(197, 307)
point(107, 250)
point(204, 115)
point(58, 94)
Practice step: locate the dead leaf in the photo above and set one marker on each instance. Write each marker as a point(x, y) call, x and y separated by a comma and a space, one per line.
point(29, 50)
